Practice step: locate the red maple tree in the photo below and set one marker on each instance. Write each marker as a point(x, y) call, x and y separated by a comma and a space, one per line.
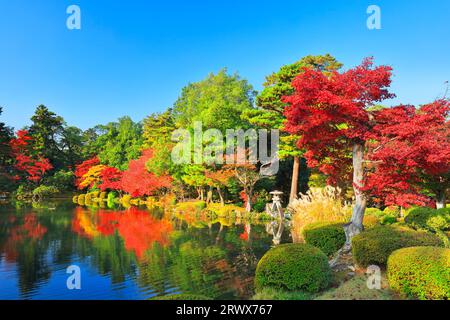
point(138, 182)
point(30, 165)
point(330, 113)
point(111, 179)
point(82, 168)
point(411, 153)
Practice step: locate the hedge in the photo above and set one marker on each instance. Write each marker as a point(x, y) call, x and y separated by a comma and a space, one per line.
point(420, 272)
point(293, 267)
point(374, 246)
point(429, 218)
point(327, 236)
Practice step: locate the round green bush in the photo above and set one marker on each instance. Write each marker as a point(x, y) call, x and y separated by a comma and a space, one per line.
point(294, 267)
point(420, 272)
point(392, 211)
point(429, 218)
point(183, 297)
point(81, 199)
point(45, 191)
point(374, 245)
point(388, 219)
point(370, 221)
point(327, 236)
point(374, 212)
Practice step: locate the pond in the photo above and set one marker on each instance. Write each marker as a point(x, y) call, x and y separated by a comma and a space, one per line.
point(130, 253)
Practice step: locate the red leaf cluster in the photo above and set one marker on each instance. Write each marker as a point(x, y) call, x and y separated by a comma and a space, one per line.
point(83, 168)
point(411, 150)
point(31, 165)
point(329, 112)
point(111, 179)
point(138, 182)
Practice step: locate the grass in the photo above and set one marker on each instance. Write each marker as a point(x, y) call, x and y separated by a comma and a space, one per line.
point(345, 288)
point(356, 289)
point(276, 294)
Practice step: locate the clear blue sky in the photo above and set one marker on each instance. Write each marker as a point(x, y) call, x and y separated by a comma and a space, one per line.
point(133, 57)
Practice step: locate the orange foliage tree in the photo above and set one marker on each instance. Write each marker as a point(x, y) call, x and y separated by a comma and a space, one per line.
point(138, 182)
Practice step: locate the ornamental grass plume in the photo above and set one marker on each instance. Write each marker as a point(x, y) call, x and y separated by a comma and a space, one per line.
point(318, 205)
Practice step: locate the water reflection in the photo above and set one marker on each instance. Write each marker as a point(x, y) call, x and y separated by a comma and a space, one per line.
point(127, 254)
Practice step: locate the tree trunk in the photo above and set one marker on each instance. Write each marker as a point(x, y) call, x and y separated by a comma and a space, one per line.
point(219, 234)
point(440, 199)
point(222, 200)
point(294, 182)
point(209, 195)
point(248, 206)
point(355, 226)
point(202, 194)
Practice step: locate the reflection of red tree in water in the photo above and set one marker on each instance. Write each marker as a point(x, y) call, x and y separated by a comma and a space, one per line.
point(139, 229)
point(107, 222)
point(83, 225)
point(31, 229)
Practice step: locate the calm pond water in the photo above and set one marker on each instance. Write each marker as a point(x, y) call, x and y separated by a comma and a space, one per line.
point(126, 254)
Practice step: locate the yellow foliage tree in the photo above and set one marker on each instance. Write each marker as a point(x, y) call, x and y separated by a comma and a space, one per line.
point(92, 177)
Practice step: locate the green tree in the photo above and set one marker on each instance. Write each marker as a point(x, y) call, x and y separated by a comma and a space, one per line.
point(270, 114)
point(158, 128)
point(6, 133)
point(46, 130)
point(217, 101)
point(119, 142)
point(91, 142)
point(71, 143)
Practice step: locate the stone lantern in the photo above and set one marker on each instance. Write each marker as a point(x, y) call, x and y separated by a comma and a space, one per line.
point(275, 209)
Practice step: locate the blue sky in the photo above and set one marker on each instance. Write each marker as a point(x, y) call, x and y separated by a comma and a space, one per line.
point(133, 57)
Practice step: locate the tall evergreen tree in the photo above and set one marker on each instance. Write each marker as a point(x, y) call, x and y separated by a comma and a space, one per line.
point(46, 130)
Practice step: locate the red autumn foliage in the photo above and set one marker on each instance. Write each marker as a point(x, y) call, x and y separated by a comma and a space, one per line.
point(330, 114)
point(141, 231)
point(30, 230)
point(111, 179)
point(138, 182)
point(32, 166)
point(412, 151)
point(82, 168)
point(138, 228)
point(107, 222)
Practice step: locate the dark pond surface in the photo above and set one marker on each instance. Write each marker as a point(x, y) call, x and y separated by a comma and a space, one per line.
point(126, 254)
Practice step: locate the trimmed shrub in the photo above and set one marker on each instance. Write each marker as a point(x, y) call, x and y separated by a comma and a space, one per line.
point(328, 237)
point(81, 199)
point(190, 207)
point(420, 272)
point(112, 199)
point(374, 246)
point(392, 211)
point(75, 199)
point(103, 195)
point(294, 267)
point(125, 200)
point(228, 210)
point(88, 199)
point(370, 221)
point(429, 218)
point(45, 191)
point(374, 212)
point(388, 219)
